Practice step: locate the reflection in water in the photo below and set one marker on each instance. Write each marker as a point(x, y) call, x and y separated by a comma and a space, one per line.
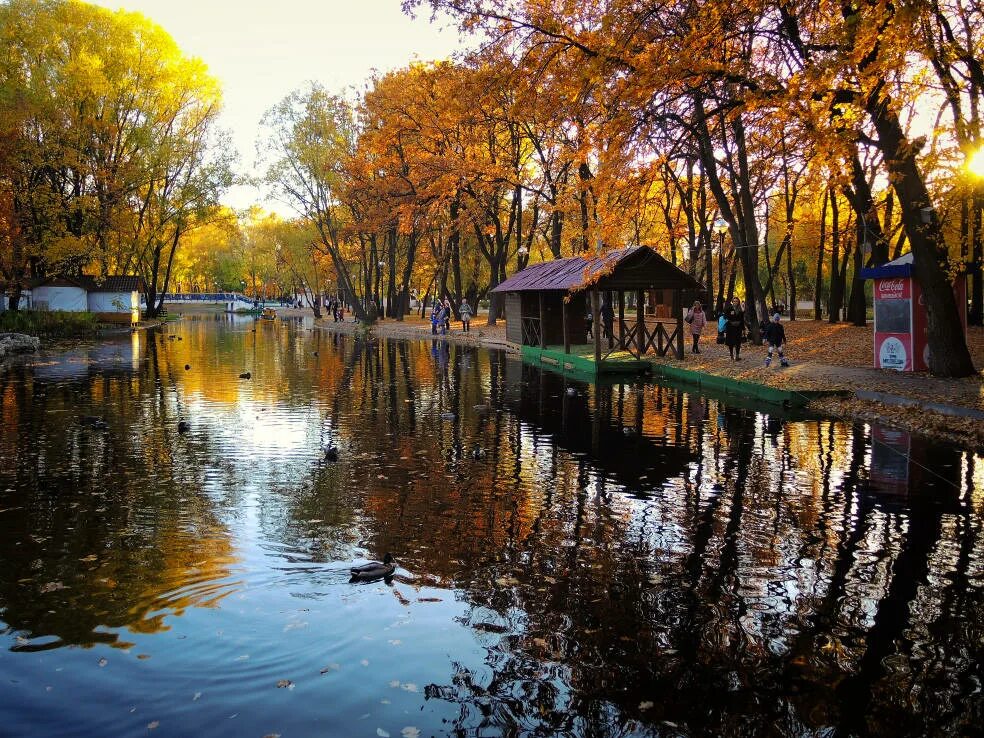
point(573, 559)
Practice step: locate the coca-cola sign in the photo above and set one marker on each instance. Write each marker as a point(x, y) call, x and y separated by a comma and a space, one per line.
point(892, 289)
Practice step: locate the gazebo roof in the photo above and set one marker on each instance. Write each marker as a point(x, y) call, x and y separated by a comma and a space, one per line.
point(630, 268)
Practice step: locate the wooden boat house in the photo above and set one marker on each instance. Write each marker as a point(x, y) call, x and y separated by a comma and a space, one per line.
point(550, 308)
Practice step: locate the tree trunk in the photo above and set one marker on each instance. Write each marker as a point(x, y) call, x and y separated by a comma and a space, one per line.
point(976, 315)
point(857, 305)
point(948, 352)
point(818, 283)
point(835, 301)
point(792, 280)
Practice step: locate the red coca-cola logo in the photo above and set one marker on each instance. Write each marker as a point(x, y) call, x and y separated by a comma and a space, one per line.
point(892, 287)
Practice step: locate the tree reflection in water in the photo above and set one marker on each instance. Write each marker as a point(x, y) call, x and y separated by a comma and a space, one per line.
point(631, 557)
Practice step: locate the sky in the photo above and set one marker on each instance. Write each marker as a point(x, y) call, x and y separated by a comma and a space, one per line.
point(262, 50)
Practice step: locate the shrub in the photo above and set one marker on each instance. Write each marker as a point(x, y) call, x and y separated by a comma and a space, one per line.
point(48, 324)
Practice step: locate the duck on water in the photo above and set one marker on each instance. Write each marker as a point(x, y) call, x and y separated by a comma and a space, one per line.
point(374, 570)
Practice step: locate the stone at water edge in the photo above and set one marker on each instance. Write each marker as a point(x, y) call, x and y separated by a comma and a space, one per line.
point(18, 343)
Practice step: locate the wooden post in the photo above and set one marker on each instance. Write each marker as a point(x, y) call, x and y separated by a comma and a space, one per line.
point(678, 309)
point(564, 327)
point(596, 328)
point(621, 319)
point(543, 322)
point(641, 321)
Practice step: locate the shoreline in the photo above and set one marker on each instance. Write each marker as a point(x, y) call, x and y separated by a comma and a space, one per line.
point(949, 409)
point(419, 330)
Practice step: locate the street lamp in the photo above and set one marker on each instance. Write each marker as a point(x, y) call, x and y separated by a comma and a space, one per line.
point(720, 227)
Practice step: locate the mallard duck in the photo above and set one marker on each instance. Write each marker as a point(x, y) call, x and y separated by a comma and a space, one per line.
point(183, 426)
point(374, 569)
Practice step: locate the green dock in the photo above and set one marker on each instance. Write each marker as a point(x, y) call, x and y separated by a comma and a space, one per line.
point(580, 364)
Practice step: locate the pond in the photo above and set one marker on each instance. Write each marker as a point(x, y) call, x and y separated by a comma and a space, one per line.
point(611, 560)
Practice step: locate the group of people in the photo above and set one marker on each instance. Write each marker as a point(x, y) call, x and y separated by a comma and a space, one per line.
point(336, 308)
point(441, 314)
point(732, 330)
point(607, 322)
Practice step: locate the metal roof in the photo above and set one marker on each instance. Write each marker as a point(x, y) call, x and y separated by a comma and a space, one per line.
point(635, 264)
point(113, 283)
point(120, 283)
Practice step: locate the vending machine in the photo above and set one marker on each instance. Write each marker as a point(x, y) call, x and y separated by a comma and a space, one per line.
point(901, 340)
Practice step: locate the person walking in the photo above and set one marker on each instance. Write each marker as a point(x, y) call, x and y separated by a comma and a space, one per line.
point(734, 329)
point(447, 317)
point(465, 311)
point(435, 316)
point(775, 335)
point(697, 320)
point(589, 322)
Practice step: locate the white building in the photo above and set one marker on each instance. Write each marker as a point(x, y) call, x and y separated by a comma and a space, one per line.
point(115, 299)
point(70, 294)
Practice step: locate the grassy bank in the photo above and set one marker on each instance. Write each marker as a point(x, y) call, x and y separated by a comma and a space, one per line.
point(45, 324)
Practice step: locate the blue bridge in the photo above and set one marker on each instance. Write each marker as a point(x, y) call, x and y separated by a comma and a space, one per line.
point(232, 301)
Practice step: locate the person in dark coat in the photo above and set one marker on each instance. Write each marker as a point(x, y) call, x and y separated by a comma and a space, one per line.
point(608, 321)
point(774, 334)
point(734, 328)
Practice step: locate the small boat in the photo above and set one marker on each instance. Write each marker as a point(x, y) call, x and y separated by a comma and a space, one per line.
point(269, 314)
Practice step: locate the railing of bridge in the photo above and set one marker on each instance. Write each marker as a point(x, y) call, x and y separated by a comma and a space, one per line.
point(207, 297)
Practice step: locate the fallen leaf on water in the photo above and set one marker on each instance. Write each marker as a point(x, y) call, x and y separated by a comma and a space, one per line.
point(646, 705)
point(409, 687)
point(429, 599)
point(103, 662)
point(410, 732)
point(51, 587)
point(399, 595)
point(382, 733)
point(196, 697)
point(331, 667)
point(285, 684)
point(364, 662)
point(153, 724)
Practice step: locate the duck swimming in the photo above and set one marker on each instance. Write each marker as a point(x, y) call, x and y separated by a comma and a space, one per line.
point(373, 570)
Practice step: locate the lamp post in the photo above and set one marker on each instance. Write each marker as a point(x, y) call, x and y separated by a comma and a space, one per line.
point(720, 227)
point(975, 168)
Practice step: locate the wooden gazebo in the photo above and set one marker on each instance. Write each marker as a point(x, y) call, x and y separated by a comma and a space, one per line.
point(547, 308)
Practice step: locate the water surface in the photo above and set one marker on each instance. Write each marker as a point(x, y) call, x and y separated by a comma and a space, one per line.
point(612, 560)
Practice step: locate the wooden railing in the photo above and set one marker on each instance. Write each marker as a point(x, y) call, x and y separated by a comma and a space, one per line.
point(531, 332)
point(638, 338)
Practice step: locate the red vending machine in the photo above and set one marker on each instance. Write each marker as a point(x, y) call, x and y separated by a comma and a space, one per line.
point(900, 315)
